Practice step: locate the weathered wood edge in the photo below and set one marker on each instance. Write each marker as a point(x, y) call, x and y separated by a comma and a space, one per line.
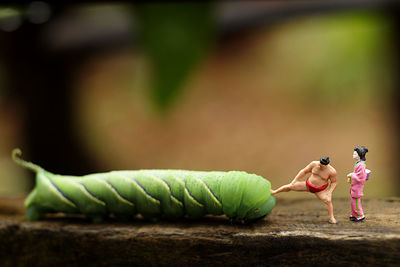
point(295, 233)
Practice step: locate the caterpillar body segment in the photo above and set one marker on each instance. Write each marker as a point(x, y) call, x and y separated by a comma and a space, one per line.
point(152, 193)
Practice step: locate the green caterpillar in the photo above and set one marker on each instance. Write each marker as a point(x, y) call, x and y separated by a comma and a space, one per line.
point(152, 193)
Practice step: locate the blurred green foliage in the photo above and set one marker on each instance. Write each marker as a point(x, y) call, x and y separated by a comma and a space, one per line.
point(6, 13)
point(358, 54)
point(176, 36)
point(337, 57)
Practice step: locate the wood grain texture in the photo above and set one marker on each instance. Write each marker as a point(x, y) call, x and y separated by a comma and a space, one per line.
point(295, 233)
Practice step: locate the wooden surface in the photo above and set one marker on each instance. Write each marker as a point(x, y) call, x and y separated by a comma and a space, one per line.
point(295, 233)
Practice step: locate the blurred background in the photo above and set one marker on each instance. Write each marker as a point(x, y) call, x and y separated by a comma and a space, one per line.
point(263, 87)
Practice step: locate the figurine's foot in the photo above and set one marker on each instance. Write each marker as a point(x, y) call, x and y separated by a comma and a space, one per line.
point(359, 219)
point(352, 218)
point(332, 221)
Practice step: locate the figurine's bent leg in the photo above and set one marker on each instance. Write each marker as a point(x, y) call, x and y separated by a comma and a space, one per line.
point(297, 186)
point(328, 202)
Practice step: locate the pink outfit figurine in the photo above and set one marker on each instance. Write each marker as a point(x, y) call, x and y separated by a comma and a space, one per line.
point(357, 180)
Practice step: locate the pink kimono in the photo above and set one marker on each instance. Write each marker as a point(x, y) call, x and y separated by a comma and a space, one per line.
point(357, 184)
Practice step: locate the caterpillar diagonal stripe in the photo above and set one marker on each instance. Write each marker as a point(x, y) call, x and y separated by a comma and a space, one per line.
point(154, 194)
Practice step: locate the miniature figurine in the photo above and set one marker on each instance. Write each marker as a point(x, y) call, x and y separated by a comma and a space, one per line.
point(357, 180)
point(321, 173)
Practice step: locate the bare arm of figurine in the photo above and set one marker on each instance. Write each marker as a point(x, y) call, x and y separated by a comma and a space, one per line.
point(303, 172)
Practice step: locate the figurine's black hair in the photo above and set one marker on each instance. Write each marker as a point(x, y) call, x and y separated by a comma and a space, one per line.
point(361, 151)
point(324, 160)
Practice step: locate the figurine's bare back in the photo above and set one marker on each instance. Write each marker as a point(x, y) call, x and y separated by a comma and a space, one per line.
point(319, 176)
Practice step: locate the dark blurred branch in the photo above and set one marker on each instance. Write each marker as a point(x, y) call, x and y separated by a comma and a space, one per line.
point(395, 14)
point(41, 80)
point(244, 15)
point(241, 15)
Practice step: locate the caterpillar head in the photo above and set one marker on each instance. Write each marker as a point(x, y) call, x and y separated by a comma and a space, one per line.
point(246, 196)
point(261, 210)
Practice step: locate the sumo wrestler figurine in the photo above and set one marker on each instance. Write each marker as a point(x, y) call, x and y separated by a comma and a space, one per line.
point(321, 173)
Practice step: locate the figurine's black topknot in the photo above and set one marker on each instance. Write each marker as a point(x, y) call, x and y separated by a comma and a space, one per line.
point(361, 151)
point(324, 161)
